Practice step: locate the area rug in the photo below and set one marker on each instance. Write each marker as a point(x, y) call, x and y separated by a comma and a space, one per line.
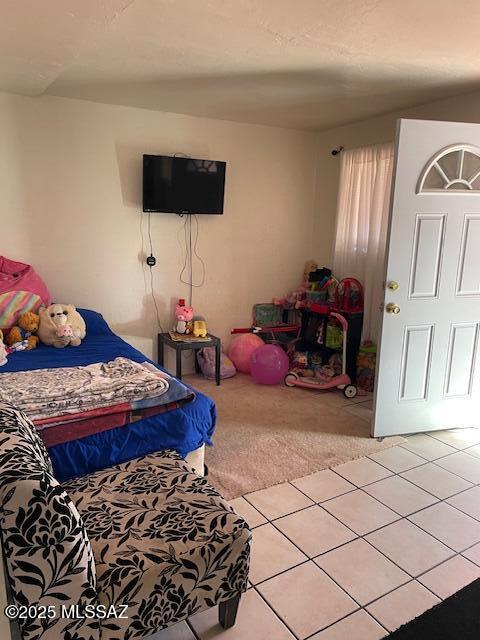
point(270, 434)
point(456, 618)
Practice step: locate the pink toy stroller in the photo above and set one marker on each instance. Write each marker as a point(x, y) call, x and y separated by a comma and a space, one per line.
point(340, 381)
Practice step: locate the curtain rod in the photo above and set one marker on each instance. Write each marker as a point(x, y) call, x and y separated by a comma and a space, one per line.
point(336, 150)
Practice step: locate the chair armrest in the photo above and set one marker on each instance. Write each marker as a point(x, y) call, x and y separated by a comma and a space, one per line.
point(48, 557)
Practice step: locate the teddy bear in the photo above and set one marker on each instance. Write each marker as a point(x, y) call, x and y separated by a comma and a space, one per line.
point(183, 318)
point(5, 351)
point(26, 329)
point(61, 325)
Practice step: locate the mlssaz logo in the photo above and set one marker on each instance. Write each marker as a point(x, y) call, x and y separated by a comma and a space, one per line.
point(91, 611)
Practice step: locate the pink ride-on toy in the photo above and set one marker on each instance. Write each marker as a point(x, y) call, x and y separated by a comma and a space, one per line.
point(341, 381)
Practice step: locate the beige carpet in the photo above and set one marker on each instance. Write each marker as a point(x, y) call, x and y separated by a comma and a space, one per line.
point(270, 434)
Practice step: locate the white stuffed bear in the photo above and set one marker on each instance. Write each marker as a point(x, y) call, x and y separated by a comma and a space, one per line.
point(61, 325)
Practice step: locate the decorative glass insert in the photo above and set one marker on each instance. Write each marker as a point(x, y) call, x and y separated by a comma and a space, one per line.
point(455, 168)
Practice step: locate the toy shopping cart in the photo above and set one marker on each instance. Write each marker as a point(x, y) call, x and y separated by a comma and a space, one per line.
point(323, 338)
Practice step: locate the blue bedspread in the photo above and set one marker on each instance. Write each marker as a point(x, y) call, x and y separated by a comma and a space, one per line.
point(183, 429)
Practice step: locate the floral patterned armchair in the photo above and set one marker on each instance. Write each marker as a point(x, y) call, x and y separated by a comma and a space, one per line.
point(130, 550)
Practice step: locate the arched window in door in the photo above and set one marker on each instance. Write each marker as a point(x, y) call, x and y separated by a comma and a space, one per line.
point(455, 168)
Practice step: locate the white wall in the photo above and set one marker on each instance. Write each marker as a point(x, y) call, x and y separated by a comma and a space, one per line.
point(376, 130)
point(70, 202)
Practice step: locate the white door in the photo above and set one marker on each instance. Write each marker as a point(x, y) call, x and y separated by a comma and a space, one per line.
point(428, 373)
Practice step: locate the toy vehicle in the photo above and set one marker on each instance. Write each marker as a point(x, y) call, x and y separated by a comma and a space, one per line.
point(341, 381)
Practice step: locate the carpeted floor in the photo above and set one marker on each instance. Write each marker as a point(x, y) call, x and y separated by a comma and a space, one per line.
point(269, 434)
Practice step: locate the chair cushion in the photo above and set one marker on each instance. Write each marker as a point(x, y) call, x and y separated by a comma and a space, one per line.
point(22, 446)
point(165, 543)
point(47, 553)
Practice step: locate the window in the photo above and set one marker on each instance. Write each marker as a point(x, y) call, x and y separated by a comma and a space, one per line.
point(456, 168)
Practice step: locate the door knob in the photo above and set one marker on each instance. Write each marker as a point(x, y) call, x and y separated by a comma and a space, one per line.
point(392, 285)
point(391, 307)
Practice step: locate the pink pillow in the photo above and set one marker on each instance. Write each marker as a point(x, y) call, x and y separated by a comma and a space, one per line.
point(21, 290)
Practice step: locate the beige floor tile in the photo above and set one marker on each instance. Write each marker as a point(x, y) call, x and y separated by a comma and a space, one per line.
point(403, 604)
point(458, 438)
point(180, 631)
point(244, 509)
point(474, 451)
point(427, 447)
point(359, 410)
point(314, 530)
point(463, 464)
point(362, 571)
point(468, 502)
point(307, 599)
point(447, 524)
point(409, 547)
point(358, 626)
point(278, 500)
point(400, 495)
point(397, 459)
point(271, 553)
point(323, 485)
point(254, 615)
point(473, 554)
point(362, 471)
point(436, 480)
point(450, 577)
point(360, 512)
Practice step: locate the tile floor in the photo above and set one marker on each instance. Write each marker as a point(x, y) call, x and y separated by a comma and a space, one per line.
point(358, 550)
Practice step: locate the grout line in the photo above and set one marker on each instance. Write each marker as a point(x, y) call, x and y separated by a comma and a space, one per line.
point(363, 537)
point(277, 615)
point(192, 630)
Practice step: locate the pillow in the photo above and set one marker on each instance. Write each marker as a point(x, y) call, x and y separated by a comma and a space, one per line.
point(21, 290)
point(96, 324)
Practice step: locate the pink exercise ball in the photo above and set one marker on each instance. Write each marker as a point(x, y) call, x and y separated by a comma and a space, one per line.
point(241, 349)
point(269, 364)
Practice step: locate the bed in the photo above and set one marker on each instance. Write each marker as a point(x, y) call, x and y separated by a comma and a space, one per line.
point(185, 429)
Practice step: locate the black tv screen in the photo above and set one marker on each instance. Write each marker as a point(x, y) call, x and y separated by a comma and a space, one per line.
point(183, 185)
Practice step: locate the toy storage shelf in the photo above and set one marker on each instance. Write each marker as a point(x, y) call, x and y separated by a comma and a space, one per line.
point(309, 343)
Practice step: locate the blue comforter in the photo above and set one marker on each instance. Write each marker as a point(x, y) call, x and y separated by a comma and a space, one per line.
point(183, 429)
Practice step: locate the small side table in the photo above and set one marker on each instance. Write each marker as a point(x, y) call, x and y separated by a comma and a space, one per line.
point(195, 345)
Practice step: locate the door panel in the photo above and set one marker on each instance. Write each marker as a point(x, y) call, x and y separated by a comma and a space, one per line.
point(417, 349)
point(469, 267)
point(428, 361)
point(461, 359)
point(427, 255)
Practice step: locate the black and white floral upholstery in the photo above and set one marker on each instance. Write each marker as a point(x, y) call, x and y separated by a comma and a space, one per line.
point(48, 555)
point(165, 543)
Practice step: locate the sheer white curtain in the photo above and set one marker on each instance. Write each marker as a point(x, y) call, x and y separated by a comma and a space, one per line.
point(362, 218)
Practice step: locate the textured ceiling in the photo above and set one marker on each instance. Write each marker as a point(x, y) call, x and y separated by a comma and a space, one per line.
point(310, 64)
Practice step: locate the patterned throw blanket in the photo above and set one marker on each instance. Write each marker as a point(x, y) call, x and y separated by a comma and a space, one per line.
point(46, 393)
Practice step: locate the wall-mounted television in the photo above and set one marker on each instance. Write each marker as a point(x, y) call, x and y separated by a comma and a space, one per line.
point(183, 185)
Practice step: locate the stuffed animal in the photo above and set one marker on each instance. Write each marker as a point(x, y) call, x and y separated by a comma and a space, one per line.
point(199, 328)
point(296, 299)
point(5, 351)
point(26, 329)
point(61, 325)
point(183, 318)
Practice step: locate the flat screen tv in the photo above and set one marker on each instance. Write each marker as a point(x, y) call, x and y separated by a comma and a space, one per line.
point(183, 185)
